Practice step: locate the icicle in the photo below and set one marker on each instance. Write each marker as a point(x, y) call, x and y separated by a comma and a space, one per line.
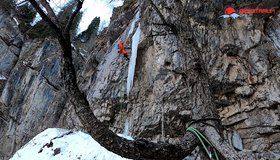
point(126, 133)
point(126, 130)
point(132, 62)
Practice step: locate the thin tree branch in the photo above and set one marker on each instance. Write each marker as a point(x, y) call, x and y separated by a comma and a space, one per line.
point(171, 26)
point(63, 37)
point(74, 14)
point(158, 12)
point(45, 17)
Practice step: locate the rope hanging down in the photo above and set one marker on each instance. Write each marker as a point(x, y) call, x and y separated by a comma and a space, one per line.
point(204, 140)
point(122, 95)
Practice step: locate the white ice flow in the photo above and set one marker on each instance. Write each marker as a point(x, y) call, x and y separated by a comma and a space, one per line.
point(62, 144)
point(135, 19)
point(132, 62)
point(126, 131)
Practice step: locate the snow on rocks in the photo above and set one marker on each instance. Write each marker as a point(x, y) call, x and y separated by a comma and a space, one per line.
point(3, 77)
point(62, 144)
point(16, 21)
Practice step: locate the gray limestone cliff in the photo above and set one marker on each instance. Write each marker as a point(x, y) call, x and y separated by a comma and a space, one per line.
point(241, 57)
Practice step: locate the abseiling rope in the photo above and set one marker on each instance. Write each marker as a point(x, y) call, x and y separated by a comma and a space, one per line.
point(122, 95)
point(122, 90)
point(202, 140)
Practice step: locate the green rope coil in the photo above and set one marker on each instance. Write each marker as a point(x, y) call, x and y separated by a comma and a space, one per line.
point(202, 140)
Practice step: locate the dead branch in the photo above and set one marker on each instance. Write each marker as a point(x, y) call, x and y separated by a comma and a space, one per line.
point(54, 26)
point(171, 26)
point(74, 14)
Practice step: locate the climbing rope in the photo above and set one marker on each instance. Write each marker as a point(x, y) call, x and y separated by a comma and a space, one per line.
point(123, 65)
point(122, 95)
point(204, 140)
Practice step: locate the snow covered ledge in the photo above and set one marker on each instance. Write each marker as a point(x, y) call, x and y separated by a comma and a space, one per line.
point(62, 144)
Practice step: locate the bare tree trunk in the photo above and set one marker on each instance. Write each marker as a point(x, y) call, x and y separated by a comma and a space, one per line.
point(108, 139)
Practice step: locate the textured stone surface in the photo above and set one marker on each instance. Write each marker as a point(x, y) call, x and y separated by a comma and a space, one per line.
point(244, 91)
point(242, 59)
point(32, 96)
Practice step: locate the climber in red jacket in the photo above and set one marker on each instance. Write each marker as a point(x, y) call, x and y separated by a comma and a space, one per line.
point(121, 50)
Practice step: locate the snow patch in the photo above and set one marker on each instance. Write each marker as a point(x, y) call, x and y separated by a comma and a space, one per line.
point(132, 62)
point(16, 21)
point(2, 77)
point(72, 45)
point(62, 144)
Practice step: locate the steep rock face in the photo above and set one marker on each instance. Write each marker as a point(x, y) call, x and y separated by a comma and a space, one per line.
point(241, 57)
point(11, 43)
point(32, 97)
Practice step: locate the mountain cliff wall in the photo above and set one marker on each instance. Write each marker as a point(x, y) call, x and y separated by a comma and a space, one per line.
point(241, 57)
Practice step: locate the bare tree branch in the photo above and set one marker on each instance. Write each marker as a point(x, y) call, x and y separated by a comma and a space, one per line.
point(171, 26)
point(131, 149)
point(158, 12)
point(45, 17)
point(74, 14)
